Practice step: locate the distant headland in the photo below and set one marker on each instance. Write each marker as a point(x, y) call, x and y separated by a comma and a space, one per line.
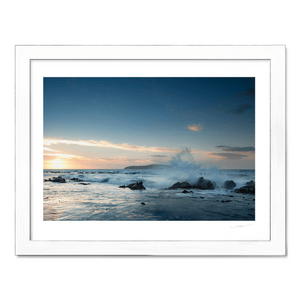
point(154, 166)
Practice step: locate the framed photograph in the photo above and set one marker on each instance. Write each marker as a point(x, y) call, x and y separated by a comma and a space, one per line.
point(150, 150)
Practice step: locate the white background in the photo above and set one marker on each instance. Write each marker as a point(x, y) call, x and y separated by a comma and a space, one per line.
point(156, 22)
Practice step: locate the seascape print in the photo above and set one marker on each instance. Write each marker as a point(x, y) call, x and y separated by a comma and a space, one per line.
point(149, 149)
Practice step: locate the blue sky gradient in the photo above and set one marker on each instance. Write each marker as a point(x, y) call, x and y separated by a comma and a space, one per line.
point(150, 112)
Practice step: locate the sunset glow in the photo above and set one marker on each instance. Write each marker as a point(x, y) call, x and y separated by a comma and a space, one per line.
point(117, 122)
point(56, 164)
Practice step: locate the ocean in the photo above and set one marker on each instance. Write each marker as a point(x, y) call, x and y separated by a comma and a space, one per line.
point(96, 195)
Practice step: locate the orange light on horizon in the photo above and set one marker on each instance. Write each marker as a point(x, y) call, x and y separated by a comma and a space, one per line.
point(56, 164)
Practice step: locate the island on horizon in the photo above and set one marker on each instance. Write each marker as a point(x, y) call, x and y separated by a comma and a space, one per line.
point(152, 166)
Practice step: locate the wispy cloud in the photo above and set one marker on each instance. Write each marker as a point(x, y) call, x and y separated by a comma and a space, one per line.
point(236, 149)
point(198, 127)
point(62, 155)
point(241, 108)
point(106, 144)
point(157, 155)
point(51, 150)
point(222, 156)
point(233, 153)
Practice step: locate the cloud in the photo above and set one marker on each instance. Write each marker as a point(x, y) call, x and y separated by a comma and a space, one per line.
point(106, 144)
point(48, 149)
point(156, 155)
point(236, 149)
point(222, 156)
point(62, 155)
point(241, 108)
point(198, 127)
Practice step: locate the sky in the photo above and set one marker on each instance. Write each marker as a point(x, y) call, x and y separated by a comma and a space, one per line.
point(112, 123)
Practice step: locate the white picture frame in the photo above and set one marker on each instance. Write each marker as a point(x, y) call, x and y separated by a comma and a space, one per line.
point(26, 181)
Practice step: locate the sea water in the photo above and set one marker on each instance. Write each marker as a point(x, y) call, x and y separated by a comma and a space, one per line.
point(102, 199)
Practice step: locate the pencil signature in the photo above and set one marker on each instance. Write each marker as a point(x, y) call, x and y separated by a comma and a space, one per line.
point(236, 226)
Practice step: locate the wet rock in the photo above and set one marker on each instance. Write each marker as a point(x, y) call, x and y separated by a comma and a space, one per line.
point(143, 203)
point(84, 183)
point(204, 184)
point(187, 192)
point(250, 183)
point(224, 201)
point(134, 186)
point(58, 179)
point(247, 189)
point(133, 173)
point(229, 185)
point(76, 179)
point(180, 185)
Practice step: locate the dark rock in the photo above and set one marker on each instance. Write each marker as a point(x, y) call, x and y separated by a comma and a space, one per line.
point(201, 184)
point(250, 183)
point(143, 203)
point(246, 190)
point(84, 183)
point(204, 184)
point(230, 195)
point(58, 179)
point(249, 188)
point(229, 185)
point(133, 173)
point(180, 185)
point(134, 186)
point(76, 179)
point(186, 192)
point(224, 201)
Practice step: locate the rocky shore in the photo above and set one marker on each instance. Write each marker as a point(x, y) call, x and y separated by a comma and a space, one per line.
point(204, 184)
point(134, 186)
